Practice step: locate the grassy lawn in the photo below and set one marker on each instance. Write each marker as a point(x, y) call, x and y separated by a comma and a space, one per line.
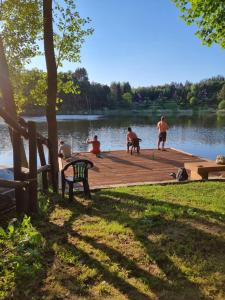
point(145, 242)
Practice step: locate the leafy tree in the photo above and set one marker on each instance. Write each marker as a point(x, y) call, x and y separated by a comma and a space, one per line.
point(51, 87)
point(21, 40)
point(66, 41)
point(80, 79)
point(127, 98)
point(221, 94)
point(193, 101)
point(126, 88)
point(222, 105)
point(97, 96)
point(116, 91)
point(80, 75)
point(7, 96)
point(16, 46)
point(70, 31)
point(208, 15)
point(21, 25)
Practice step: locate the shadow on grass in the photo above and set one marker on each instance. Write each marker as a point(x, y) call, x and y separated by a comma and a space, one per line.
point(153, 218)
point(54, 233)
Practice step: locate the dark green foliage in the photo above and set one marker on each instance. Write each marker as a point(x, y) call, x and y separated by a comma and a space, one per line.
point(221, 94)
point(88, 96)
point(21, 249)
point(126, 88)
point(208, 15)
point(127, 98)
point(193, 101)
point(222, 105)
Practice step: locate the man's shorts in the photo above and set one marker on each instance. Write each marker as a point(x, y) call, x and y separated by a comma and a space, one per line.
point(162, 136)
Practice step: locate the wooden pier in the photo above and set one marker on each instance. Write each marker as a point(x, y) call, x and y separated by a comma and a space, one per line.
point(117, 168)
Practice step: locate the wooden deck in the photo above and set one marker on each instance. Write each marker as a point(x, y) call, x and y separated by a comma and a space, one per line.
point(120, 168)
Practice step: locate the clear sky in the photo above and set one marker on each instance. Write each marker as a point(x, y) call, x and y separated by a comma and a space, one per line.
point(143, 42)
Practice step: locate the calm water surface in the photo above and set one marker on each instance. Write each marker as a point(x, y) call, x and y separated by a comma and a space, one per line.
point(202, 136)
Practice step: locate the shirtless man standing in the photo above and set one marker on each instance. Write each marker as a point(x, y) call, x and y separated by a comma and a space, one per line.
point(162, 127)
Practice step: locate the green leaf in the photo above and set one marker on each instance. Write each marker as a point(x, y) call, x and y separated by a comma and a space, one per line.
point(3, 233)
point(11, 230)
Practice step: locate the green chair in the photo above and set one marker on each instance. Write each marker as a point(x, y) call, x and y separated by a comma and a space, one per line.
point(80, 174)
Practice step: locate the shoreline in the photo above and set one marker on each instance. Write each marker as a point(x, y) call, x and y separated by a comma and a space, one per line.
point(140, 112)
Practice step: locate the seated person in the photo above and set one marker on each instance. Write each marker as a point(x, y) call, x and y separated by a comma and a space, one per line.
point(65, 150)
point(131, 135)
point(95, 145)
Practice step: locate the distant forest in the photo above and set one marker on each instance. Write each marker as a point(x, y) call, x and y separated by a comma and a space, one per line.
point(79, 95)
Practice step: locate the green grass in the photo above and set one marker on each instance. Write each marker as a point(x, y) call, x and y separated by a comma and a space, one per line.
point(143, 242)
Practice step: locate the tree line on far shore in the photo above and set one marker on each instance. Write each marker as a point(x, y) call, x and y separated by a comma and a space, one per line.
point(79, 95)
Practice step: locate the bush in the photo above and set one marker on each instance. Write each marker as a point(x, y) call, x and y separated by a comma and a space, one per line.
point(20, 257)
point(222, 105)
point(193, 100)
point(127, 98)
point(221, 94)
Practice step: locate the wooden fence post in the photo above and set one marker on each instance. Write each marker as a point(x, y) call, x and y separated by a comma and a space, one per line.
point(54, 174)
point(43, 163)
point(33, 200)
point(21, 203)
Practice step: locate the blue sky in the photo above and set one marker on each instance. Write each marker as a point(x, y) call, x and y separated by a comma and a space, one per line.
point(143, 42)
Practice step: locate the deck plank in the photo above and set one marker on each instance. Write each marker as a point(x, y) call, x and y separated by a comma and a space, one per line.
point(119, 167)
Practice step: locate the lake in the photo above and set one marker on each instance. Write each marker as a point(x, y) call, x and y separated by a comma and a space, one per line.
point(203, 136)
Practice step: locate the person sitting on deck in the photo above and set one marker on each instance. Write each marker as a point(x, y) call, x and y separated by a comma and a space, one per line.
point(95, 146)
point(65, 150)
point(162, 127)
point(131, 135)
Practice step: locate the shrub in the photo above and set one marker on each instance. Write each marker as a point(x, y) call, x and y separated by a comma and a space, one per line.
point(20, 257)
point(127, 98)
point(222, 105)
point(221, 94)
point(193, 100)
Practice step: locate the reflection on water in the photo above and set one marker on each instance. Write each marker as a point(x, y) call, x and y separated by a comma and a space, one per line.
point(202, 136)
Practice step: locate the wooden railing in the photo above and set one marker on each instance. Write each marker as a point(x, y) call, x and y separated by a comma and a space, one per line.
point(25, 180)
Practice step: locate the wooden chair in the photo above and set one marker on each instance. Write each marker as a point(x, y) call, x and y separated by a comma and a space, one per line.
point(80, 174)
point(135, 145)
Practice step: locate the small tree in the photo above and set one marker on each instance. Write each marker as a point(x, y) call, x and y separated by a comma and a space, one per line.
point(127, 98)
point(193, 101)
point(126, 88)
point(52, 86)
point(221, 94)
point(221, 105)
point(66, 41)
point(208, 15)
point(16, 47)
point(116, 93)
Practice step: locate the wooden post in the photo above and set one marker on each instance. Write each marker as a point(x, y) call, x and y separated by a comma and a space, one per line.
point(33, 200)
point(54, 172)
point(43, 163)
point(21, 203)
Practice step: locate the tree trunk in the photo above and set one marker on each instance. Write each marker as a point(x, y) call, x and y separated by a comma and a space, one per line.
point(51, 89)
point(7, 95)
